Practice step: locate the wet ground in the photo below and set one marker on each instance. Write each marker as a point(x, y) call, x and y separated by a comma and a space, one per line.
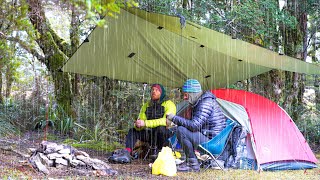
point(14, 165)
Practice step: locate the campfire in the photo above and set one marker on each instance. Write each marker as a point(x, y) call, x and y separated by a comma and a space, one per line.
point(50, 154)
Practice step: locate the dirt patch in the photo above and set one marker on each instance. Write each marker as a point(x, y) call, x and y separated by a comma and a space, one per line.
point(15, 165)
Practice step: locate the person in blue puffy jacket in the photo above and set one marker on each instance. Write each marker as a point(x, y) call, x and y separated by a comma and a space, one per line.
point(207, 120)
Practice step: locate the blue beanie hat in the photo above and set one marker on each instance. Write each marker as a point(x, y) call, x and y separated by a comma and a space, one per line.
point(191, 86)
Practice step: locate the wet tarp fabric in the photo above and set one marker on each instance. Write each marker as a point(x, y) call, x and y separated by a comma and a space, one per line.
point(147, 47)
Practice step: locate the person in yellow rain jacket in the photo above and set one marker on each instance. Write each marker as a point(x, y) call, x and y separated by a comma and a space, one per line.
point(149, 127)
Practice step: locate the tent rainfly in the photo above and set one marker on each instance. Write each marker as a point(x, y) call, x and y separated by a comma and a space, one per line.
point(146, 47)
point(271, 141)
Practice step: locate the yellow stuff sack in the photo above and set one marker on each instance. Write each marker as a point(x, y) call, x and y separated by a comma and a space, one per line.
point(177, 154)
point(165, 163)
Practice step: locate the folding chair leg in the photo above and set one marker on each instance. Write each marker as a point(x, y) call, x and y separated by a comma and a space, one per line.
point(215, 160)
point(145, 157)
point(206, 163)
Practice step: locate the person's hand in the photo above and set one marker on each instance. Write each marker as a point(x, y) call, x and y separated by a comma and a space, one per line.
point(168, 123)
point(170, 116)
point(139, 123)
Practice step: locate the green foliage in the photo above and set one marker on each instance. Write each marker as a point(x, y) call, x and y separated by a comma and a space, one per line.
point(97, 133)
point(310, 126)
point(9, 114)
point(6, 128)
point(62, 121)
point(56, 117)
point(97, 8)
point(261, 17)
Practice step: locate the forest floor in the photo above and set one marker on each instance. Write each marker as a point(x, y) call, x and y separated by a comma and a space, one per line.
point(13, 165)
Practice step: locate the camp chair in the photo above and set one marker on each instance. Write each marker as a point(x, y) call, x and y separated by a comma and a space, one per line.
point(216, 145)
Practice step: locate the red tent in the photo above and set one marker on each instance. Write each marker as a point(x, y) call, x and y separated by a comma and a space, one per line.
point(275, 137)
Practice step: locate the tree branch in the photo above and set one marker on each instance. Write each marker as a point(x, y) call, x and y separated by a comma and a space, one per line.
point(38, 19)
point(22, 44)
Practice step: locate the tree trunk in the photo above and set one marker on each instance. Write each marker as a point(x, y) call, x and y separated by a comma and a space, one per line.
point(109, 85)
point(62, 90)
point(185, 4)
point(292, 40)
point(76, 78)
point(9, 81)
point(304, 31)
point(314, 59)
point(317, 91)
point(1, 97)
point(55, 51)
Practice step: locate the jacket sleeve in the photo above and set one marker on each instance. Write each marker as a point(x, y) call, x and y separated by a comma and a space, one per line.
point(142, 114)
point(169, 107)
point(201, 113)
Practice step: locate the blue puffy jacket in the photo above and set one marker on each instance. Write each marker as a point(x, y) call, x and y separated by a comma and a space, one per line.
point(207, 117)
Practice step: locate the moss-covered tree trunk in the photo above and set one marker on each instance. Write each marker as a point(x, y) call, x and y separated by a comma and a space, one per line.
point(317, 91)
point(55, 51)
point(295, 42)
point(9, 80)
point(316, 84)
point(75, 78)
point(1, 96)
point(269, 84)
point(302, 53)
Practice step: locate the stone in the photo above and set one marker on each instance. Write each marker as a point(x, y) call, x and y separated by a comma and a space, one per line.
point(78, 153)
point(36, 163)
point(55, 155)
point(77, 163)
point(45, 160)
point(64, 151)
point(61, 161)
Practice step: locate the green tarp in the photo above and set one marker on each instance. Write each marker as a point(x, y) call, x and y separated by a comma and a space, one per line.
point(147, 47)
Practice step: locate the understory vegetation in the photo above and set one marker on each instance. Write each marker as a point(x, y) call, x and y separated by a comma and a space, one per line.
point(97, 112)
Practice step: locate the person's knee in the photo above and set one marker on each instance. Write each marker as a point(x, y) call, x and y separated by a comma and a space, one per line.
point(161, 129)
point(181, 131)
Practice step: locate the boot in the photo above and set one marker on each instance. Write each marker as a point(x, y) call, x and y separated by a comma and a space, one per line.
point(190, 165)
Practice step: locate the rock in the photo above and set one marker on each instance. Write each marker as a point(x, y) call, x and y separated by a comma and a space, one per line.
point(83, 159)
point(101, 163)
point(62, 156)
point(31, 150)
point(78, 153)
point(68, 157)
point(77, 163)
point(61, 161)
point(55, 155)
point(45, 160)
point(36, 163)
point(64, 151)
point(49, 147)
